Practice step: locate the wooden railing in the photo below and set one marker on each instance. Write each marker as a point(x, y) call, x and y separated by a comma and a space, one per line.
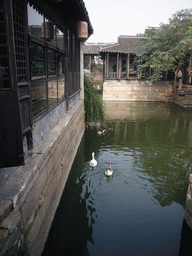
point(112, 75)
point(122, 75)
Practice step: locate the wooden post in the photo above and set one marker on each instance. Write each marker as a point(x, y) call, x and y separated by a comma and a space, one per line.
point(190, 69)
point(128, 61)
point(107, 67)
point(120, 65)
point(89, 56)
point(117, 65)
point(104, 68)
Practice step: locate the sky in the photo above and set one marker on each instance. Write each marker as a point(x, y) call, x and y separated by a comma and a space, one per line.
point(112, 18)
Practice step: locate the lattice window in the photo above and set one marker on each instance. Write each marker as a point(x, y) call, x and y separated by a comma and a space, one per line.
point(19, 33)
point(4, 65)
point(46, 59)
point(1, 5)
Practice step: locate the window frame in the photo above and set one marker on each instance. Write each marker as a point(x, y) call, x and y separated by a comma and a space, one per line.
point(48, 46)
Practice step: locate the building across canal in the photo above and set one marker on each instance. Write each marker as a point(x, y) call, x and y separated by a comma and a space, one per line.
point(120, 79)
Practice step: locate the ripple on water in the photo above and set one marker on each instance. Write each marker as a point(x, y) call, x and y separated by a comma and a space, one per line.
point(139, 211)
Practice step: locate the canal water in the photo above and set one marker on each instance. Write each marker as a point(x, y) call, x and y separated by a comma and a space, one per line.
point(138, 211)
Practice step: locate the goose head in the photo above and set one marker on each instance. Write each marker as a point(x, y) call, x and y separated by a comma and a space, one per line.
point(109, 170)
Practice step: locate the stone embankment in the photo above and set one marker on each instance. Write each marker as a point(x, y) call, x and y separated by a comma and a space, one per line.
point(188, 207)
point(134, 90)
point(184, 97)
point(32, 194)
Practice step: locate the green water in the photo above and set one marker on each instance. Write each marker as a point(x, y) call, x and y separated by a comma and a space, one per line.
point(139, 211)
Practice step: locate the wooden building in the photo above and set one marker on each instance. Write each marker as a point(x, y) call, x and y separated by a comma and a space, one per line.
point(121, 81)
point(39, 69)
point(42, 117)
point(119, 58)
point(91, 53)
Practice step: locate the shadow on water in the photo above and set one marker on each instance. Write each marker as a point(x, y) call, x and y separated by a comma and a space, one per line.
point(186, 240)
point(139, 211)
point(71, 227)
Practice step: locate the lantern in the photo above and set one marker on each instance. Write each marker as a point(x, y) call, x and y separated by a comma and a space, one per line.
point(49, 30)
point(82, 30)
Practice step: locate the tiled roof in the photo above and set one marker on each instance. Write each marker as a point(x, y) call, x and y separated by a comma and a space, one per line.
point(126, 44)
point(93, 48)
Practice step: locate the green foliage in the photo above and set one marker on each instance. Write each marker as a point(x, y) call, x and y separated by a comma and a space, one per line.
point(155, 77)
point(100, 67)
point(94, 110)
point(18, 250)
point(96, 66)
point(37, 56)
point(168, 47)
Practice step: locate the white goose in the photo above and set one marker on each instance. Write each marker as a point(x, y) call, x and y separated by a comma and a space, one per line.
point(93, 162)
point(101, 132)
point(109, 170)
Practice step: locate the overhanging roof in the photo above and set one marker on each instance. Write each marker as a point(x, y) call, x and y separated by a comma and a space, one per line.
point(93, 48)
point(126, 44)
point(68, 11)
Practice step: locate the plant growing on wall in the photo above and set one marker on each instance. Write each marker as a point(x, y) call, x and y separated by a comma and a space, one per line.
point(167, 47)
point(94, 110)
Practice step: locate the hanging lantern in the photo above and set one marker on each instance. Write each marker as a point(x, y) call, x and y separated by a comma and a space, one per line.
point(49, 31)
point(82, 30)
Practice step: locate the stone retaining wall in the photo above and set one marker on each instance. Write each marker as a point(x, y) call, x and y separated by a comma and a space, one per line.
point(134, 90)
point(32, 194)
point(188, 207)
point(184, 97)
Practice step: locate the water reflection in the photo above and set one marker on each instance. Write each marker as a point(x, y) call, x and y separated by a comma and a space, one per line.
point(159, 145)
point(139, 211)
point(72, 225)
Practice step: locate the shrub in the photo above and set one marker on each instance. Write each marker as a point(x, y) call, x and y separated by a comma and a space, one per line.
point(94, 110)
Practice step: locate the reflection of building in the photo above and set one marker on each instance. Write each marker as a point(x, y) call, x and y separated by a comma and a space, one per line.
point(41, 85)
